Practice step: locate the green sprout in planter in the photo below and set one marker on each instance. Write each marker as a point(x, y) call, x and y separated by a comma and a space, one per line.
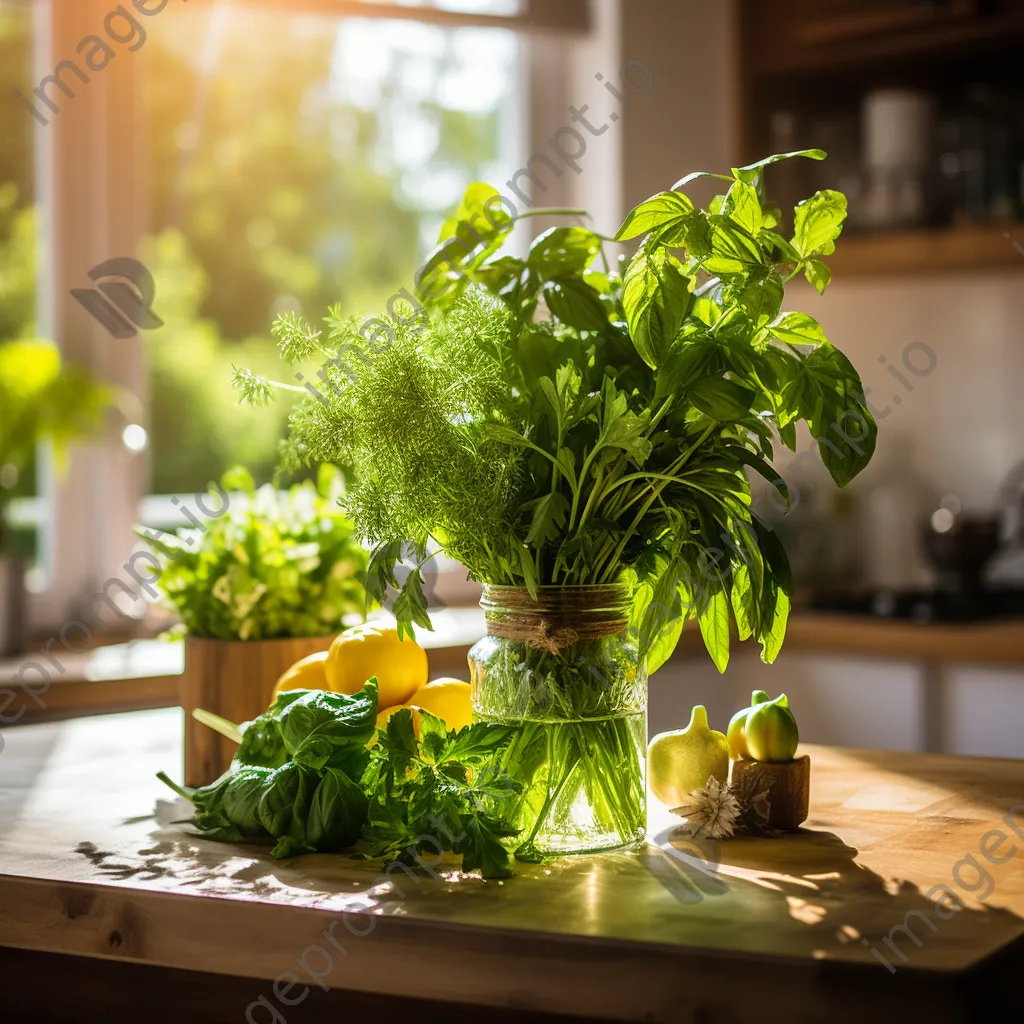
point(271, 565)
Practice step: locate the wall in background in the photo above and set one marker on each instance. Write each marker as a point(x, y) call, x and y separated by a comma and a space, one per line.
point(963, 426)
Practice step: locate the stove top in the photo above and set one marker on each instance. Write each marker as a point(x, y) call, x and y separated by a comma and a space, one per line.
point(925, 605)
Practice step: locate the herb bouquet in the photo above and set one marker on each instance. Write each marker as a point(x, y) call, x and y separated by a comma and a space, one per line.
point(577, 434)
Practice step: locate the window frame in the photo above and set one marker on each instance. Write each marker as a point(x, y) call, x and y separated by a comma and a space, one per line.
point(91, 186)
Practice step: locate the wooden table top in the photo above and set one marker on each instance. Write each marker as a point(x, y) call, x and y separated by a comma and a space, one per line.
point(638, 935)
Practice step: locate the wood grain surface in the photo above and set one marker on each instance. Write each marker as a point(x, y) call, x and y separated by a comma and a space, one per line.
point(661, 933)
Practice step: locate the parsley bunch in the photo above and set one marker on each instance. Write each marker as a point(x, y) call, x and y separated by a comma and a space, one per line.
point(442, 792)
point(560, 420)
point(268, 565)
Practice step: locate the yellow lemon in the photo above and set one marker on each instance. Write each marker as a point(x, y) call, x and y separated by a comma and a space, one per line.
point(306, 674)
point(385, 715)
point(363, 651)
point(448, 699)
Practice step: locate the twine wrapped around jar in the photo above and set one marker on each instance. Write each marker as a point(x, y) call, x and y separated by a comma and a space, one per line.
point(558, 617)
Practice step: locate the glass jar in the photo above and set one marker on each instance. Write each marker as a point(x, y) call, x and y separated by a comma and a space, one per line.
point(564, 672)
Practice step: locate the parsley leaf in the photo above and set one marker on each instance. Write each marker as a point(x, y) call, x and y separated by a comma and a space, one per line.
point(443, 791)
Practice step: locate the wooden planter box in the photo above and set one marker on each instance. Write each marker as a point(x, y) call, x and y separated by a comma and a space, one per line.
point(234, 679)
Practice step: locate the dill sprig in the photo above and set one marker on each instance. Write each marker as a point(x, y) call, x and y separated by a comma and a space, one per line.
point(407, 419)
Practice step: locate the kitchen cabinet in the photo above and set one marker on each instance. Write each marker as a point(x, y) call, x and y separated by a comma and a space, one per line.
point(811, 35)
point(804, 69)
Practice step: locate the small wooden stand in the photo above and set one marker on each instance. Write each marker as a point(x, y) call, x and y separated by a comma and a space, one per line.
point(233, 679)
point(790, 790)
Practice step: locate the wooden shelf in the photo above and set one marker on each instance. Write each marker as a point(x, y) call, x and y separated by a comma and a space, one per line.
point(929, 250)
point(146, 674)
point(999, 642)
point(816, 51)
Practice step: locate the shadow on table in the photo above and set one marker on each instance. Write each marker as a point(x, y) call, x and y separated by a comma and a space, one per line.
point(835, 900)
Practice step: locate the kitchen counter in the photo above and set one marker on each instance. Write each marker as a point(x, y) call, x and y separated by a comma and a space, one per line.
point(748, 929)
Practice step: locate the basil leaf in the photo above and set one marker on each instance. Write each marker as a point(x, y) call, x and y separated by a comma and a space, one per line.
point(721, 399)
point(759, 294)
point(479, 215)
point(743, 207)
point(562, 252)
point(656, 298)
point(760, 466)
point(499, 273)
point(828, 394)
point(284, 807)
point(318, 722)
point(817, 274)
point(751, 171)
point(664, 215)
point(262, 743)
point(337, 812)
point(785, 253)
point(657, 618)
point(798, 329)
point(818, 222)
point(235, 796)
point(773, 637)
point(731, 244)
point(575, 304)
point(696, 234)
point(714, 628)
point(688, 363)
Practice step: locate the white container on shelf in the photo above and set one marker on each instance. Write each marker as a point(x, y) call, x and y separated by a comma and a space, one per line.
point(898, 125)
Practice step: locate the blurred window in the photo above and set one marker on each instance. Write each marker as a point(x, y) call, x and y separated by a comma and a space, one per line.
point(256, 156)
point(298, 161)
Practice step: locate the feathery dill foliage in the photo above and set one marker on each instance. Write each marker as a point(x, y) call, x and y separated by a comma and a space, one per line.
point(609, 440)
point(407, 418)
